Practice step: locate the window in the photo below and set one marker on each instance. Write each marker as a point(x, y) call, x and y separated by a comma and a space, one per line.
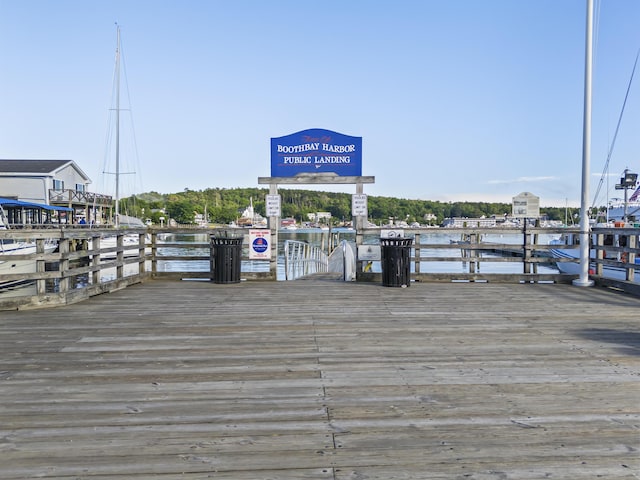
point(79, 187)
point(58, 184)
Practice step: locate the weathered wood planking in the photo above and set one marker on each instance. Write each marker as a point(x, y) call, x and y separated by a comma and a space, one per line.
point(324, 380)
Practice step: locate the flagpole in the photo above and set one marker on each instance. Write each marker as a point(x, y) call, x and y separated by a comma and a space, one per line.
point(583, 280)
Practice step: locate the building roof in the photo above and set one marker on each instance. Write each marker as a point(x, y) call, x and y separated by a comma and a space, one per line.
point(32, 166)
point(11, 202)
point(28, 167)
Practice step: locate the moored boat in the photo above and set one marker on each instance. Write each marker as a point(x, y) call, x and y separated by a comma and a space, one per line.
point(616, 263)
point(16, 215)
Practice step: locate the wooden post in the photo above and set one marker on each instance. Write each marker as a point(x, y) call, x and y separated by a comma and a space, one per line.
point(40, 267)
point(599, 253)
point(359, 225)
point(416, 248)
point(154, 253)
point(526, 251)
point(632, 242)
point(120, 255)
point(63, 265)
point(95, 259)
point(141, 253)
point(274, 223)
point(473, 242)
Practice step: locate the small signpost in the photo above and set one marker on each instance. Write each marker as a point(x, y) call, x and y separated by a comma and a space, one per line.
point(260, 244)
point(359, 205)
point(369, 253)
point(526, 205)
point(273, 203)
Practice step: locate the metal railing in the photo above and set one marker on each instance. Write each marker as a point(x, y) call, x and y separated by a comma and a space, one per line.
point(301, 258)
point(343, 260)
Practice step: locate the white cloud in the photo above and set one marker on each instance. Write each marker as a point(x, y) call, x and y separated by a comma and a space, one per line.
point(523, 180)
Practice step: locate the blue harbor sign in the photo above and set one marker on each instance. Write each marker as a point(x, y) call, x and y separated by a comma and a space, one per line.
point(316, 151)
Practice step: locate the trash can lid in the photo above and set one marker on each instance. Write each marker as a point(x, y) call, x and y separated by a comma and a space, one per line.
point(226, 240)
point(396, 242)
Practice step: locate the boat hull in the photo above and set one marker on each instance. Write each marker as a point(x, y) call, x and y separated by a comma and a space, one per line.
point(573, 267)
point(19, 267)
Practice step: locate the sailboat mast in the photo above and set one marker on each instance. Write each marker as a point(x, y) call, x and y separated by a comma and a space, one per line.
point(117, 217)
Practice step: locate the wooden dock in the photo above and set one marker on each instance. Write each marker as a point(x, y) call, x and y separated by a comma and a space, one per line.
point(318, 379)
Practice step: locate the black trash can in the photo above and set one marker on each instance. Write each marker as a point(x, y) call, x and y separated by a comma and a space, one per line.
point(396, 261)
point(226, 253)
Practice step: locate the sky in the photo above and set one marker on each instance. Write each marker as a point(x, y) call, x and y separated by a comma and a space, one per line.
point(455, 100)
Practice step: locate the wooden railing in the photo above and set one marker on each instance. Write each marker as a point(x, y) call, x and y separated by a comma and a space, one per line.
point(83, 264)
point(90, 261)
point(179, 253)
point(617, 247)
point(74, 197)
point(526, 249)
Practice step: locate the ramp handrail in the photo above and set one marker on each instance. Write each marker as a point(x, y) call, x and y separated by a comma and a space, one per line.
point(343, 260)
point(301, 258)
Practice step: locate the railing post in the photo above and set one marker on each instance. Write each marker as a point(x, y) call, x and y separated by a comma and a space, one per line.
point(473, 243)
point(63, 264)
point(534, 242)
point(95, 259)
point(416, 249)
point(154, 253)
point(120, 255)
point(40, 267)
point(599, 253)
point(632, 241)
point(141, 253)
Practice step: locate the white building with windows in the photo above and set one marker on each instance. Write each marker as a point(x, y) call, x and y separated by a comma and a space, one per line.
point(464, 222)
point(51, 182)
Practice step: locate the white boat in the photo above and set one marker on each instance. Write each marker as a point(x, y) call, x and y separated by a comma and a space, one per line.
point(129, 243)
point(618, 210)
point(10, 246)
point(617, 219)
point(617, 271)
point(11, 266)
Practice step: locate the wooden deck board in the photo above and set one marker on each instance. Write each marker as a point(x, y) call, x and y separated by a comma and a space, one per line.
point(324, 380)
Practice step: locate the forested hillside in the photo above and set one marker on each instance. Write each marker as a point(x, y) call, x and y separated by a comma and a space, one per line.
point(225, 205)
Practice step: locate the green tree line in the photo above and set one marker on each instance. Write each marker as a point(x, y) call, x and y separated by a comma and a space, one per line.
point(224, 205)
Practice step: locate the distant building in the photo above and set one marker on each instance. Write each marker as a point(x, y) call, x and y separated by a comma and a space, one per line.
point(462, 222)
point(52, 182)
point(287, 222)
